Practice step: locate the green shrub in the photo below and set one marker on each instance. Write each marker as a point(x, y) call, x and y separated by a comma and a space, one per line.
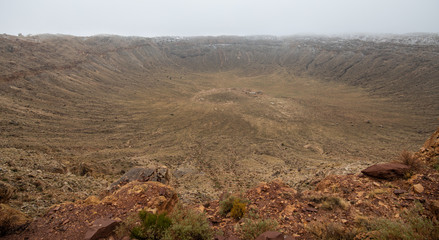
point(181, 224)
point(124, 228)
point(234, 205)
point(412, 225)
point(238, 209)
point(330, 231)
point(153, 226)
point(188, 225)
point(252, 228)
point(226, 205)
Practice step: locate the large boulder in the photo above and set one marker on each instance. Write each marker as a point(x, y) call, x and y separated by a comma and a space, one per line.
point(140, 174)
point(386, 170)
point(11, 219)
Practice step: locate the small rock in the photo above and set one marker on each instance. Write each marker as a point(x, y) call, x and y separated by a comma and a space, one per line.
point(182, 171)
point(310, 209)
point(92, 200)
point(201, 208)
point(102, 228)
point(418, 188)
point(289, 209)
point(399, 191)
point(410, 198)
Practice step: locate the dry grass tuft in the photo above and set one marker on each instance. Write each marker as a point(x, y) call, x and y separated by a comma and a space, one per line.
point(409, 159)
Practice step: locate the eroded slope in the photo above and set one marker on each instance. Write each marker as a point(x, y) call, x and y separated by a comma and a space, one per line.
point(223, 113)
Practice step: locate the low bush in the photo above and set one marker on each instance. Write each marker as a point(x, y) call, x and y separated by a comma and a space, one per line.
point(412, 225)
point(330, 231)
point(252, 228)
point(409, 159)
point(331, 203)
point(238, 210)
point(181, 224)
point(188, 224)
point(152, 226)
point(124, 228)
point(236, 206)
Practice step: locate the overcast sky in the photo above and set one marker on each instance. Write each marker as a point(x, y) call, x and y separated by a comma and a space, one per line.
point(217, 17)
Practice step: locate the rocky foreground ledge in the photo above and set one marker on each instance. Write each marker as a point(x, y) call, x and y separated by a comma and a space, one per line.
point(343, 205)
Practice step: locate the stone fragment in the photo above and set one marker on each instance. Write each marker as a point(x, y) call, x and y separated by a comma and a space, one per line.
point(101, 228)
point(418, 188)
point(289, 209)
point(386, 170)
point(310, 209)
point(399, 191)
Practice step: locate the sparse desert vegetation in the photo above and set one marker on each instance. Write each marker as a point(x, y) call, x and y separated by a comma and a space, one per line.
point(220, 114)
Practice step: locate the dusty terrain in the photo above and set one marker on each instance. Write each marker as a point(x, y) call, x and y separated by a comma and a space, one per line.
point(221, 113)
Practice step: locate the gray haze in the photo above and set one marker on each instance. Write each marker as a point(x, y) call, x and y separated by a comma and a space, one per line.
point(217, 17)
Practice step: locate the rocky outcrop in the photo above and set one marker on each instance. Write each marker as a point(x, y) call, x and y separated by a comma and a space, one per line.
point(431, 147)
point(158, 174)
point(386, 170)
point(77, 220)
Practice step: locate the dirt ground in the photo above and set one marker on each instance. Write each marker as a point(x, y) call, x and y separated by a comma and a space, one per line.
point(76, 113)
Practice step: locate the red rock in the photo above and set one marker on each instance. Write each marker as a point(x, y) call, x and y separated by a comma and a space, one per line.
point(386, 170)
point(310, 209)
point(102, 228)
point(399, 191)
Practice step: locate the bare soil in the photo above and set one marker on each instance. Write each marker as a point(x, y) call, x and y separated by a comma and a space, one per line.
point(226, 113)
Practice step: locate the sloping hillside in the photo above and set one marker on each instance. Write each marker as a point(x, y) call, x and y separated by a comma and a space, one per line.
point(221, 113)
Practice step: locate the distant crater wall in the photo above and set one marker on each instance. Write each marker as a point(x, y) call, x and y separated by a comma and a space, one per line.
point(407, 72)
